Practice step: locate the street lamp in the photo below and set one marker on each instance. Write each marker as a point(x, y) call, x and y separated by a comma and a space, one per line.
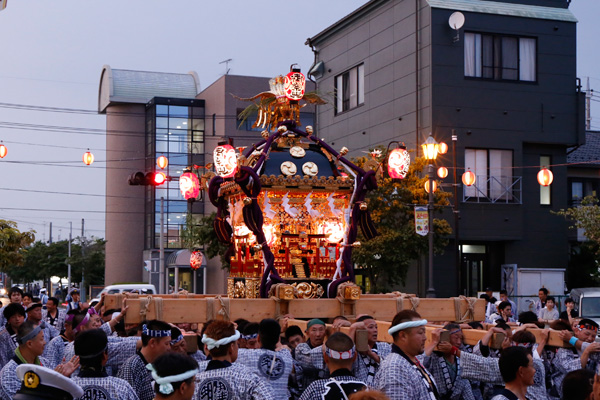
point(430, 152)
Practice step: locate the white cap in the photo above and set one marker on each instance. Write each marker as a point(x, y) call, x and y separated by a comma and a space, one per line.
point(38, 378)
point(497, 303)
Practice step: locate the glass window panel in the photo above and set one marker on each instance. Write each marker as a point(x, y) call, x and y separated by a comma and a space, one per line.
point(160, 192)
point(500, 174)
point(487, 56)
point(162, 146)
point(510, 58)
point(162, 110)
point(576, 190)
point(178, 111)
point(176, 159)
point(339, 93)
point(476, 161)
point(178, 123)
point(353, 85)
point(178, 206)
point(197, 112)
point(361, 84)
point(527, 59)
point(198, 136)
point(162, 123)
point(176, 146)
point(198, 124)
point(197, 148)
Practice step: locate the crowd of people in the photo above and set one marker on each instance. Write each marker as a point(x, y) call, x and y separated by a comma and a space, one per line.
point(89, 353)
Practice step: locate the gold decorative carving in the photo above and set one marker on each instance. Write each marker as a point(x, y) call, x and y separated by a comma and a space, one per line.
point(230, 292)
point(308, 290)
point(252, 288)
point(239, 290)
point(352, 292)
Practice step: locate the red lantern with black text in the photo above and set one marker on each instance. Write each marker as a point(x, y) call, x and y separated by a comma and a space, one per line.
point(162, 162)
point(468, 178)
point(294, 86)
point(88, 158)
point(225, 160)
point(3, 150)
point(189, 185)
point(545, 177)
point(398, 163)
point(196, 259)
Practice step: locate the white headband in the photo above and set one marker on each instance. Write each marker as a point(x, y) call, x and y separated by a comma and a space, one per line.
point(164, 384)
point(339, 355)
point(212, 343)
point(406, 325)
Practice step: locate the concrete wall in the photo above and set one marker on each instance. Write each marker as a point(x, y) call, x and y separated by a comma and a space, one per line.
point(386, 42)
point(125, 152)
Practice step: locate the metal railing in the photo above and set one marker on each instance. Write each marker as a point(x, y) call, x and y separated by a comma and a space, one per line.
point(494, 189)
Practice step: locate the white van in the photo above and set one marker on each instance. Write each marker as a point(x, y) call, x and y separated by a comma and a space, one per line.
point(127, 287)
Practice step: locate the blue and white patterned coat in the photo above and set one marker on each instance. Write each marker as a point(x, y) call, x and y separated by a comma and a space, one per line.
point(108, 388)
point(10, 383)
point(55, 351)
point(8, 346)
point(274, 367)
point(235, 382)
point(399, 380)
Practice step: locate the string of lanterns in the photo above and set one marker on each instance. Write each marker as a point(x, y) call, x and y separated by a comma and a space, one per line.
point(398, 163)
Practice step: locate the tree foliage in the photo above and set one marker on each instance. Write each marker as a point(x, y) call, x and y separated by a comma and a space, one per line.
point(42, 261)
point(387, 257)
point(12, 242)
point(585, 259)
point(199, 233)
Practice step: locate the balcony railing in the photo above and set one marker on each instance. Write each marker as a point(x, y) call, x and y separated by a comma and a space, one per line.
point(494, 189)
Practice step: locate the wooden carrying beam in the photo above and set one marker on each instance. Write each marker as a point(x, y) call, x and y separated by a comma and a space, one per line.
point(470, 336)
point(188, 309)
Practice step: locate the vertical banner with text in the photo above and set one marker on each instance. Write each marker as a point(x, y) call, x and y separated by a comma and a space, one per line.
point(421, 220)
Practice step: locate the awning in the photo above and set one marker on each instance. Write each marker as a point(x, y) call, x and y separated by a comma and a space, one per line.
point(181, 259)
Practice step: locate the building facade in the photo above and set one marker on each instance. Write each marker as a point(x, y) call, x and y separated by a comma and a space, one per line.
point(504, 81)
point(149, 114)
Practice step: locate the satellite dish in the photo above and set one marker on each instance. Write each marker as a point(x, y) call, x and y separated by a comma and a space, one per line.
point(456, 20)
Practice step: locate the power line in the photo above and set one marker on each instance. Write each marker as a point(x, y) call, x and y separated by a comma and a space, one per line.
point(68, 193)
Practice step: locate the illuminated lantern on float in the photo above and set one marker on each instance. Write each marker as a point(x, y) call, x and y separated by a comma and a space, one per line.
point(545, 177)
point(196, 259)
point(334, 231)
point(434, 185)
point(88, 157)
point(294, 86)
point(468, 178)
point(162, 162)
point(189, 185)
point(225, 161)
point(442, 148)
point(398, 163)
point(3, 150)
point(442, 172)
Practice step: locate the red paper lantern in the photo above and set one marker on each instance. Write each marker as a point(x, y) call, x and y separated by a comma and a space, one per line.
point(398, 163)
point(442, 172)
point(189, 185)
point(225, 160)
point(196, 259)
point(294, 86)
point(468, 178)
point(162, 162)
point(545, 177)
point(88, 158)
point(3, 150)
point(442, 148)
point(434, 185)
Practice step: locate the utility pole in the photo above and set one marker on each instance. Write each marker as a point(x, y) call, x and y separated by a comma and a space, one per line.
point(82, 289)
point(161, 259)
point(50, 242)
point(588, 114)
point(69, 264)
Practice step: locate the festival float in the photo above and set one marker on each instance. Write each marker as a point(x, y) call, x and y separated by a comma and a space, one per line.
point(289, 208)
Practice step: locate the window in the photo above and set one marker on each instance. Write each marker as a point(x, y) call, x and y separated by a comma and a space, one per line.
point(500, 57)
point(350, 89)
point(545, 198)
point(494, 181)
